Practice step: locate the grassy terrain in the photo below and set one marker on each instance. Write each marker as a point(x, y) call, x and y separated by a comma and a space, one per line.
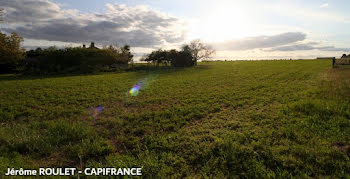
point(220, 119)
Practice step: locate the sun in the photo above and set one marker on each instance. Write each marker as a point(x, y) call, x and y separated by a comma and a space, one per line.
point(224, 21)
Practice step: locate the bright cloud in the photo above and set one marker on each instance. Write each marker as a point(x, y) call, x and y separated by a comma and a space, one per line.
point(138, 26)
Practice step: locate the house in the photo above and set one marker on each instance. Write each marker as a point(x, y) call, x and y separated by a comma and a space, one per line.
point(92, 46)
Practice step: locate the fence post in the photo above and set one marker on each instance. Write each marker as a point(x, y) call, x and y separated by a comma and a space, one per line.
point(333, 62)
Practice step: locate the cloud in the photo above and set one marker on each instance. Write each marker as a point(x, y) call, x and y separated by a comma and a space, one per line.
point(30, 10)
point(324, 5)
point(308, 46)
point(290, 41)
point(138, 26)
point(261, 41)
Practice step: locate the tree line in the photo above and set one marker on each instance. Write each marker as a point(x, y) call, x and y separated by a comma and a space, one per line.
point(14, 58)
point(76, 59)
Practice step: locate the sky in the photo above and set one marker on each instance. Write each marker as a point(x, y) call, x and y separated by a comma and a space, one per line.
point(237, 29)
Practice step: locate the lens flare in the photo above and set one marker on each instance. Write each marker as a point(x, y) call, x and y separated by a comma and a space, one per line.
point(96, 111)
point(141, 84)
point(134, 91)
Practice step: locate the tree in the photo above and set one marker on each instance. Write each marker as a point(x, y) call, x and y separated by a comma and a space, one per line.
point(124, 54)
point(176, 58)
point(200, 51)
point(343, 56)
point(11, 52)
point(158, 57)
point(172, 55)
point(186, 57)
point(183, 58)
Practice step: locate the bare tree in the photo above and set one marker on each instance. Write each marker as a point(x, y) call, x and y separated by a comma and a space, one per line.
point(200, 51)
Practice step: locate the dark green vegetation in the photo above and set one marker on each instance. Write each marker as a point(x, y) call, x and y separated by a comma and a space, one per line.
point(245, 119)
point(11, 53)
point(75, 60)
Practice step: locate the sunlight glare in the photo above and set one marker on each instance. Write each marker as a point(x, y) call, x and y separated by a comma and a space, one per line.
point(227, 20)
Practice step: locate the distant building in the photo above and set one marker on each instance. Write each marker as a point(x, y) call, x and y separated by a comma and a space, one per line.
point(92, 46)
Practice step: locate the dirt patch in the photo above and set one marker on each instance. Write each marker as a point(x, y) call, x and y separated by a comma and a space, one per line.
point(343, 147)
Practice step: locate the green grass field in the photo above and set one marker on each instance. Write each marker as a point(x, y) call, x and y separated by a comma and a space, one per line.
point(219, 119)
